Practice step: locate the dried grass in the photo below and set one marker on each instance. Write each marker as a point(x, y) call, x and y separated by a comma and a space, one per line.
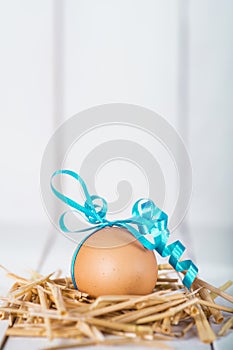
point(51, 307)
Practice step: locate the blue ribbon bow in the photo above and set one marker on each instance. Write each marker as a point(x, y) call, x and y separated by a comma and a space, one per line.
point(148, 218)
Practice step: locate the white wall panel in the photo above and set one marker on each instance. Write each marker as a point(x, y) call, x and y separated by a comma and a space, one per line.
point(60, 57)
point(121, 51)
point(211, 108)
point(26, 94)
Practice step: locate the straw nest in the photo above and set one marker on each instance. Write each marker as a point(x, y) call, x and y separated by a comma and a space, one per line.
point(50, 307)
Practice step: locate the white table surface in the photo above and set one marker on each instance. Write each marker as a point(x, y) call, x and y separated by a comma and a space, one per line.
point(23, 248)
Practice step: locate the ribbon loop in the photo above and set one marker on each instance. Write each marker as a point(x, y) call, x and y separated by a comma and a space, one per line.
point(149, 219)
point(97, 216)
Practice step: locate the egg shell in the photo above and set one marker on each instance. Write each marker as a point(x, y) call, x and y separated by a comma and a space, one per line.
point(112, 261)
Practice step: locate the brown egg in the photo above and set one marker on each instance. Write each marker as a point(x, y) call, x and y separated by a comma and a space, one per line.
point(112, 261)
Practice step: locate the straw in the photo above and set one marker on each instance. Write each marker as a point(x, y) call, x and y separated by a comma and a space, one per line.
point(47, 306)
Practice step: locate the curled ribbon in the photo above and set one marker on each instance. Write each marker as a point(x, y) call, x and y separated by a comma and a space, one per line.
point(148, 218)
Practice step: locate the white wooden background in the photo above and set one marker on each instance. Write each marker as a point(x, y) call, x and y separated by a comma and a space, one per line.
point(60, 57)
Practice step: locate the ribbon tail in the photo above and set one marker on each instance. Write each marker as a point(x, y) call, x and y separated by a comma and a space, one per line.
point(175, 251)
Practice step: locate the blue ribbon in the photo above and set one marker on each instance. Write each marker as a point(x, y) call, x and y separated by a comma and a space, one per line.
point(146, 216)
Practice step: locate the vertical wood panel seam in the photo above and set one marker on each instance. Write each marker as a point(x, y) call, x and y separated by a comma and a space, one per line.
point(183, 86)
